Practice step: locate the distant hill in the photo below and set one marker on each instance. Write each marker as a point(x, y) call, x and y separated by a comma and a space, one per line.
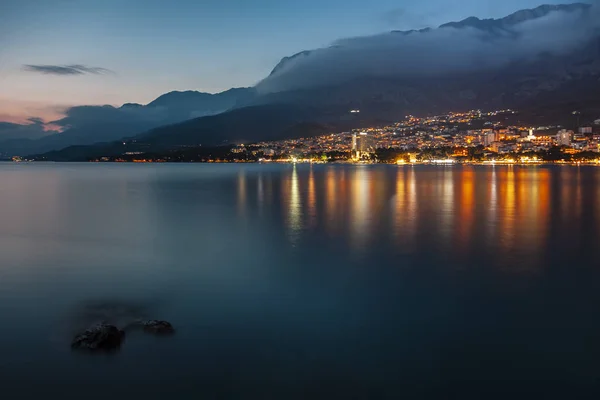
point(192, 104)
point(239, 125)
point(92, 124)
point(243, 125)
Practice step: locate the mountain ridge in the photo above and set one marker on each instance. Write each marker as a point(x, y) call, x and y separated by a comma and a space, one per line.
point(516, 17)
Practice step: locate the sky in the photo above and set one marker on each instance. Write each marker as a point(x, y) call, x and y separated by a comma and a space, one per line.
point(55, 54)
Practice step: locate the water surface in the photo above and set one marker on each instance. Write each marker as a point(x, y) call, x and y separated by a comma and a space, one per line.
point(297, 282)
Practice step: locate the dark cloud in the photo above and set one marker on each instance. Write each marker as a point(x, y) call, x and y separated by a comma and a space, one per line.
point(83, 125)
point(75, 69)
point(480, 45)
point(169, 108)
point(88, 117)
point(36, 129)
point(36, 120)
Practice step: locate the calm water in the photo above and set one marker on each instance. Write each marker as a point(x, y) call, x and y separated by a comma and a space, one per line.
point(303, 282)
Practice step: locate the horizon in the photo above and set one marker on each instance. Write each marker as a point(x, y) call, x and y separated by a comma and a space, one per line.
point(50, 73)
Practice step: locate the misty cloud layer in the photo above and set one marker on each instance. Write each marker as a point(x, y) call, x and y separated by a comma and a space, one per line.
point(438, 51)
point(66, 70)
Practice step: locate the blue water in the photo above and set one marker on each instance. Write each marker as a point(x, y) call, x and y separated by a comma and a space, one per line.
point(305, 282)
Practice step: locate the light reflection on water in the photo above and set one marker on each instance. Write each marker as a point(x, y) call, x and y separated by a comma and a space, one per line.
point(356, 281)
point(511, 207)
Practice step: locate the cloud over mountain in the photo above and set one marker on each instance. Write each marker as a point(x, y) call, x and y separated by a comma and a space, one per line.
point(469, 45)
point(168, 108)
point(66, 70)
point(35, 129)
point(82, 125)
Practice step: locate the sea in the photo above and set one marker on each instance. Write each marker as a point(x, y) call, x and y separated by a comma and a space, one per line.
point(302, 281)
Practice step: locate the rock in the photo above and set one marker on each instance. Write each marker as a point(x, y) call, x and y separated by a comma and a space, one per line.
point(99, 337)
point(158, 327)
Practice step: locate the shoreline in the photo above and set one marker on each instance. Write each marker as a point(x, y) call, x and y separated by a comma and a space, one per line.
point(403, 164)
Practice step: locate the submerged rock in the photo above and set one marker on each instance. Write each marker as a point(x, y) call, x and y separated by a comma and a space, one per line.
point(99, 337)
point(158, 327)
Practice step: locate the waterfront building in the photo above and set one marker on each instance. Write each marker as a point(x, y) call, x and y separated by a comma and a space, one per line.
point(563, 137)
point(362, 144)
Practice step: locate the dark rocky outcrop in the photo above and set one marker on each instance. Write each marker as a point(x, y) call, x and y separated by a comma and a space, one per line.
point(158, 327)
point(100, 337)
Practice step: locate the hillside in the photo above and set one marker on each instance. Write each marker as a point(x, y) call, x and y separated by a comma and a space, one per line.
point(243, 125)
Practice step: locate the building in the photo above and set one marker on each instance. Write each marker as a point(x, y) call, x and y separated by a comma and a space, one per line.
point(582, 145)
point(362, 144)
point(597, 122)
point(527, 136)
point(563, 137)
point(585, 130)
point(578, 137)
point(489, 138)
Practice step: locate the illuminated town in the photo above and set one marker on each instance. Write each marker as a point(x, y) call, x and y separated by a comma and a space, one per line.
point(469, 137)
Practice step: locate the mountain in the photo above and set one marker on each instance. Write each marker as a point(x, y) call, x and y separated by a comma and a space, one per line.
point(410, 32)
point(516, 61)
point(239, 125)
point(192, 104)
point(550, 80)
point(84, 125)
point(288, 60)
point(510, 21)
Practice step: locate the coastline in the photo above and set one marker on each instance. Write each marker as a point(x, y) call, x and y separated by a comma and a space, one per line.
point(400, 164)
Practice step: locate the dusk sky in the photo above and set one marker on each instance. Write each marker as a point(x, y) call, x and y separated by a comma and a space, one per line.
point(135, 50)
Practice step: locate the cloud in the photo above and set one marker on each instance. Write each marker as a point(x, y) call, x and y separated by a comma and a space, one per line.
point(66, 70)
point(169, 108)
point(82, 125)
point(35, 129)
point(85, 117)
point(481, 45)
point(36, 120)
